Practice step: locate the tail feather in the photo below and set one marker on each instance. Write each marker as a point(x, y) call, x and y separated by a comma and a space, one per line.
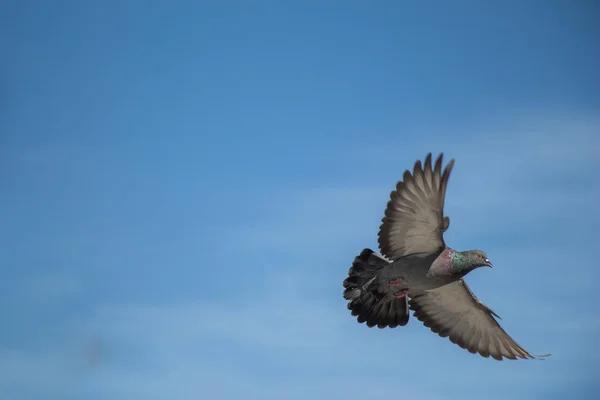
point(373, 314)
point(365, 303)
point(382, 316)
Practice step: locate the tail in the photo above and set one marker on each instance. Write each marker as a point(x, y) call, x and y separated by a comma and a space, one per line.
point(367, 304)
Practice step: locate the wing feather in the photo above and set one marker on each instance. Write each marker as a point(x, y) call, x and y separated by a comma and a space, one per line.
point(453, 311)
point(414, 219)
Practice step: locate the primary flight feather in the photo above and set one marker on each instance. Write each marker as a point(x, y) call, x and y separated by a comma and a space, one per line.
point(417, 271)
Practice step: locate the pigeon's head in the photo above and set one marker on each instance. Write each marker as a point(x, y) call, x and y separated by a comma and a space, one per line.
point(478, 258)
point(469, 260)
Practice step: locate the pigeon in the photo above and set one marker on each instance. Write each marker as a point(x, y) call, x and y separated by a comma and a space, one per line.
point(417, 271)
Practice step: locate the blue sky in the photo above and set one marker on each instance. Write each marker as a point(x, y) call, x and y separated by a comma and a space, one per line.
point(184, 187)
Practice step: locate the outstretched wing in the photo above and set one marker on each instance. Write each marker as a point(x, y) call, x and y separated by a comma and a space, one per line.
point(453, 311)
point(414, 218)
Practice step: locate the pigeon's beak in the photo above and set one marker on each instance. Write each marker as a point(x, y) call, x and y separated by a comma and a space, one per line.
point(489, 263)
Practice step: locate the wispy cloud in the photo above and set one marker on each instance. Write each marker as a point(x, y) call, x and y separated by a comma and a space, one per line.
point(195, 349)
point(224, 350)
point(191, 349)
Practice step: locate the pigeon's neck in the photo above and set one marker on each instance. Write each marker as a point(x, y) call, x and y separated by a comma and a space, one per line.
point(446, 264)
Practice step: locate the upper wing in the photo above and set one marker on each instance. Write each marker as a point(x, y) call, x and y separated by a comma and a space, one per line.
point(454, 311)
point(414, 218)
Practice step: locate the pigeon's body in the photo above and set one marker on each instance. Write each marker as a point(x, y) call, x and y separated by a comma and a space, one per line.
point(417, 272)
point(417, 264)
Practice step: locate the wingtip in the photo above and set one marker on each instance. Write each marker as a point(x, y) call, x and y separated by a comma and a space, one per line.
point(440, 161)
point(541, 357)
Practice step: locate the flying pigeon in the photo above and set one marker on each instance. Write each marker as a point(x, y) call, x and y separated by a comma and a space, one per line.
point(416, 264)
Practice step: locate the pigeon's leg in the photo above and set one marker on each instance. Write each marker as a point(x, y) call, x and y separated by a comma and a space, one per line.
point(401, 294)
point(396, 282)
